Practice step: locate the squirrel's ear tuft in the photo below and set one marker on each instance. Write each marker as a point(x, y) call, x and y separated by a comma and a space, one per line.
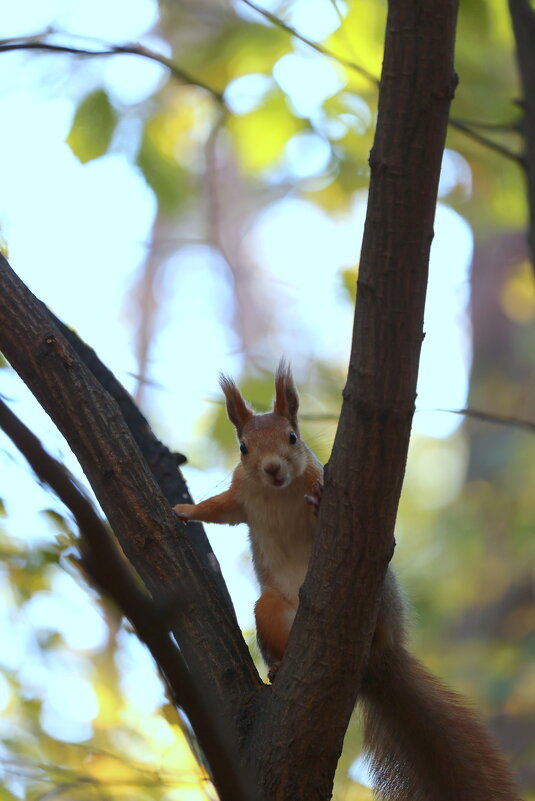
point(286, 397)
point(237, 410)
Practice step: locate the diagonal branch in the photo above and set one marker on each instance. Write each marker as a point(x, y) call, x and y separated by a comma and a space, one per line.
point(36, 43)
point(324, 51)
point(111, 573)
point(467, 130)
point(163, 464)
point(178, 72)
point(149, 533)
point(496, 419)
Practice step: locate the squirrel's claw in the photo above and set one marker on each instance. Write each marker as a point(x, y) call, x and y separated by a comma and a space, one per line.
point(315, 498)
point(180, 512)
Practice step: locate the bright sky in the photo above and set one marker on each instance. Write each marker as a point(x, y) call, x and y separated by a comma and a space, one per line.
point(72, 228)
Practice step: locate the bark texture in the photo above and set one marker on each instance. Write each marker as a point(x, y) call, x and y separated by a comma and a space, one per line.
point(523, 19)
point(150, 534)
point(305, 719)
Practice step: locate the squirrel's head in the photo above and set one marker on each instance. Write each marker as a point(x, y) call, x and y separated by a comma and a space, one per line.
point(271, 449)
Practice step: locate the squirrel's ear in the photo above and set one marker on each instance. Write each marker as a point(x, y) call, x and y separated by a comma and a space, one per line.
point(286, 397)
point(237, 410)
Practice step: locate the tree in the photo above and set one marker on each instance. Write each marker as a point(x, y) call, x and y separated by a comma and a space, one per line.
point(405, 165)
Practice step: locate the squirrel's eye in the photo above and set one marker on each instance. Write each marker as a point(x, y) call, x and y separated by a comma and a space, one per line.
point(243, 448)
point(293, 437)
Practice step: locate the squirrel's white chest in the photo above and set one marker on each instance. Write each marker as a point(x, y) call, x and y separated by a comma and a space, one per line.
point(281, 526)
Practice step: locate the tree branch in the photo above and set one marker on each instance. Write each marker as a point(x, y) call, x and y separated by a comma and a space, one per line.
point(163, 463)
point(111, 573)
point(488, 143)
point(36, 43)
point(150, 534)
point(523, 19)
point(182, 75)
point(329, 644)
point(324, 51)
point(496, 419)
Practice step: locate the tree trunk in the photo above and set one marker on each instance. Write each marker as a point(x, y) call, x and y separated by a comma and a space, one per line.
point(298, 738)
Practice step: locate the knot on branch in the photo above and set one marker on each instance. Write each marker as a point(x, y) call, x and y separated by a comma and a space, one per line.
point(447, 92)
point(55, 346)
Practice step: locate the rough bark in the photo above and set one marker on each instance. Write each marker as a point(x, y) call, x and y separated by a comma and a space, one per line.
point(304, 721)
point(111, 574)
point(523, 19)
point(149, 533)
point(162, 462)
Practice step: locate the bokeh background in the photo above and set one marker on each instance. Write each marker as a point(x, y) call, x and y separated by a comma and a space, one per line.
point(209, 218)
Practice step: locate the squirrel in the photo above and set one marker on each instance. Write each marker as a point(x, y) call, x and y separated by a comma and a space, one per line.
point(421, 742)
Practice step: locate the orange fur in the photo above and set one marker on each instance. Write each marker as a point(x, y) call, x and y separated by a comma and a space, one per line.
point(423, 743)
point(274, 617)
point(286, 397)
point(223, 508)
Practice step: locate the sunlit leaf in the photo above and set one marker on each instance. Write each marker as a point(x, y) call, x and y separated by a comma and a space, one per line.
point(349, 280)
point(261, 135)
point(92, 127)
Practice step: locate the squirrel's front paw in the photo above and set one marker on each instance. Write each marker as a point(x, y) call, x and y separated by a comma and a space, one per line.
point(314, 499)
point(182, 510)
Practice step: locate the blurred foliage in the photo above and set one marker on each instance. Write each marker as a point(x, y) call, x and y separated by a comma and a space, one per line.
point(71, 725)
point(465, 529)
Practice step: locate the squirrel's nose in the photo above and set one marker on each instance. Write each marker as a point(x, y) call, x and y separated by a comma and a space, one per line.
point(272, 468)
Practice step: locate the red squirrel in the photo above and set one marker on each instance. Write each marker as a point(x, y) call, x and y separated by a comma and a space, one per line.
point(422, 743)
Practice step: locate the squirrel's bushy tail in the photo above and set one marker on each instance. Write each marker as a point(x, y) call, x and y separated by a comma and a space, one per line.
point(423, 743)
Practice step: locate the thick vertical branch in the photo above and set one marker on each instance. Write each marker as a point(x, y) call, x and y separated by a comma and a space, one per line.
point(317, 685)
point(523, 18)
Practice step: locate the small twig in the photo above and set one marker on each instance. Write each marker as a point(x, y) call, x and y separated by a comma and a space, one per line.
point(502, 127)
point(487, 417)
point(349, 64)
point(113, 50)
point(35, 43)
point(108, 568)
point(489, 143)
point(345, 62)
point(491, 417)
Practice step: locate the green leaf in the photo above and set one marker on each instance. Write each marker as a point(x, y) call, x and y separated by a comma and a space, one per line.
point(92, 127)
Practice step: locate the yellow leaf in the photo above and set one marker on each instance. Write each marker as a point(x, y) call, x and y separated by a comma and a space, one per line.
point(261, 135)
